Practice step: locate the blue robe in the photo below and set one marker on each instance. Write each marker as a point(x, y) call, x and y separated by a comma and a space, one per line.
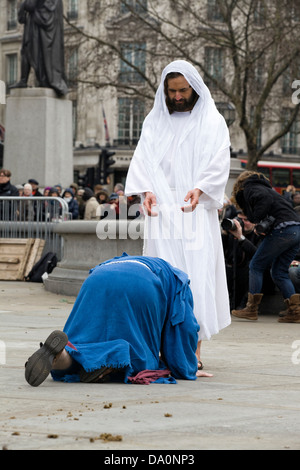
point(134, 313)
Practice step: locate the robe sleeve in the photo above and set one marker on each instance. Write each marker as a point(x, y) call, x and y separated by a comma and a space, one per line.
point(138, 180)
point(212, 181)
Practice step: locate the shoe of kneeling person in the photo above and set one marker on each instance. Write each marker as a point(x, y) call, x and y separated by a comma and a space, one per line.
point(39, 365)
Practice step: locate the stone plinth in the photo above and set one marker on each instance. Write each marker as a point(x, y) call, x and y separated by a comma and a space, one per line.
point(83, 250)
point(38, 137)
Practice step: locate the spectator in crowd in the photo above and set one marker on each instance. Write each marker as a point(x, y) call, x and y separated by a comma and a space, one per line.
point(134, 207)
point(72, 203)
point(53, 192)
point(35, 187)
point(20, 188)
point(91, 205)
point(7, 208)
point(81, 203)
point(74, 187)
point(102, 196)
point(6, 188)
point(46, 191)
point(114, 203)
point(239, 243)
point(53, 209)
point(296, 199)
point(119, 189)
point(59, 189)
point(289, 192)
point(27, 208)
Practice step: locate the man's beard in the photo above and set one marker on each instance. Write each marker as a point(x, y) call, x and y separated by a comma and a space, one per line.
point(183, 104)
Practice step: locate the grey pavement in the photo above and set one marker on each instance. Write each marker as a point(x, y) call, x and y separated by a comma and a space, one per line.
point(251, 402)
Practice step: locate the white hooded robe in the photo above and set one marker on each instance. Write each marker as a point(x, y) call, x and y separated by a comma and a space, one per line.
point(171, 158)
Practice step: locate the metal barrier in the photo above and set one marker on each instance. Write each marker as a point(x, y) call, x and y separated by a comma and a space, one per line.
point(34, 217)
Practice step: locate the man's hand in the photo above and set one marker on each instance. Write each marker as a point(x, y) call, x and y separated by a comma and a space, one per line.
point(193, 197)
point(149, 202)
point(238, 232)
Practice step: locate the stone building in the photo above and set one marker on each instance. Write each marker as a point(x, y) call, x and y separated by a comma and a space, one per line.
point(114, 53)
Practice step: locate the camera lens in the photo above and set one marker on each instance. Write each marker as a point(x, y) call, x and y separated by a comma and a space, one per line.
point(228, 224)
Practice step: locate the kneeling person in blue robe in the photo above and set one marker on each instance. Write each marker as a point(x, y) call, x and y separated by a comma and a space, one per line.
point(133, 317)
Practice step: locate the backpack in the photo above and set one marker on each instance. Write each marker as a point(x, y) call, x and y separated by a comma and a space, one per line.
point(45, 265)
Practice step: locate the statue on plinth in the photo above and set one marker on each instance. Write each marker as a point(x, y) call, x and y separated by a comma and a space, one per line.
point(43, 44)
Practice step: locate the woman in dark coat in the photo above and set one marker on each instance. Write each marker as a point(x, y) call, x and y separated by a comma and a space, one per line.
point(276, 219)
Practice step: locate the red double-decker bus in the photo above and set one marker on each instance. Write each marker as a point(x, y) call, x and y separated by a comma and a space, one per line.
point(280, 174)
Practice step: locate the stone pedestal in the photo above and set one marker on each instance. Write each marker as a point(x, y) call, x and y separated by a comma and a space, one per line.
point(83, 250)
point(38, 137)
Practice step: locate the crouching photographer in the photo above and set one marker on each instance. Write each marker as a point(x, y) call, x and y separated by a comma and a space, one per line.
point(279, 223)
point(239, 244)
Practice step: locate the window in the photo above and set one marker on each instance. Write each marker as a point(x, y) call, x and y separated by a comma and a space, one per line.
point(259, 13)
point(214, 64)
point(296, 178)
point(214, 11)
point(280, 177)
point(131, 117)
point(73, 9)
point(139, 6)
point(135, 54)
point(11, 69)
point(289, 141)
point(72, 67)
point(12, 14)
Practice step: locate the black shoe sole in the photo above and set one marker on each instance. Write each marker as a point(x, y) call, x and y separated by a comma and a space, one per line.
point(39, 365)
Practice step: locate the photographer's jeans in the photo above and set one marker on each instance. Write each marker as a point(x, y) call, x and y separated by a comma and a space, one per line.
point(277, 251)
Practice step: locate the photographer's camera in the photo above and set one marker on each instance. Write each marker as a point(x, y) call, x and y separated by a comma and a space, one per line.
point(265, 226)
point(229, 224)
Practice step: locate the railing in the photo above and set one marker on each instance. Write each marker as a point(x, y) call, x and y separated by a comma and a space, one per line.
point(34, 217)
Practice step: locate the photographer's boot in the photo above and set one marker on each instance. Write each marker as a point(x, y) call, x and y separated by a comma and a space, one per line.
point(250, 312)
point(293, 312)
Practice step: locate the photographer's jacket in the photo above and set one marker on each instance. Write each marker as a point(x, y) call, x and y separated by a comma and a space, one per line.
point(259, 200)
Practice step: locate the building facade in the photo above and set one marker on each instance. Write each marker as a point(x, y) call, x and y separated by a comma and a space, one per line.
point(114, 54)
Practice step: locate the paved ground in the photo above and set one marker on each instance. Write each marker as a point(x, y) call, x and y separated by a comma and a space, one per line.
point(252, 402)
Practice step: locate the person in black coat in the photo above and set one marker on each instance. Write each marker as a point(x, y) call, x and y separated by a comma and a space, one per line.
point(7, 189)
point(279, 223)
point(68, 196)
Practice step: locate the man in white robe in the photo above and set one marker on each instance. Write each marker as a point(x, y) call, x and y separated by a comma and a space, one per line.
point(180, 168)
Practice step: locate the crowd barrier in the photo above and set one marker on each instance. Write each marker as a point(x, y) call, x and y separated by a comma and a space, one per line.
point(34, 217)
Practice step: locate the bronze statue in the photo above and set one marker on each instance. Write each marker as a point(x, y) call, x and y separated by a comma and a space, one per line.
point(43, 44)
